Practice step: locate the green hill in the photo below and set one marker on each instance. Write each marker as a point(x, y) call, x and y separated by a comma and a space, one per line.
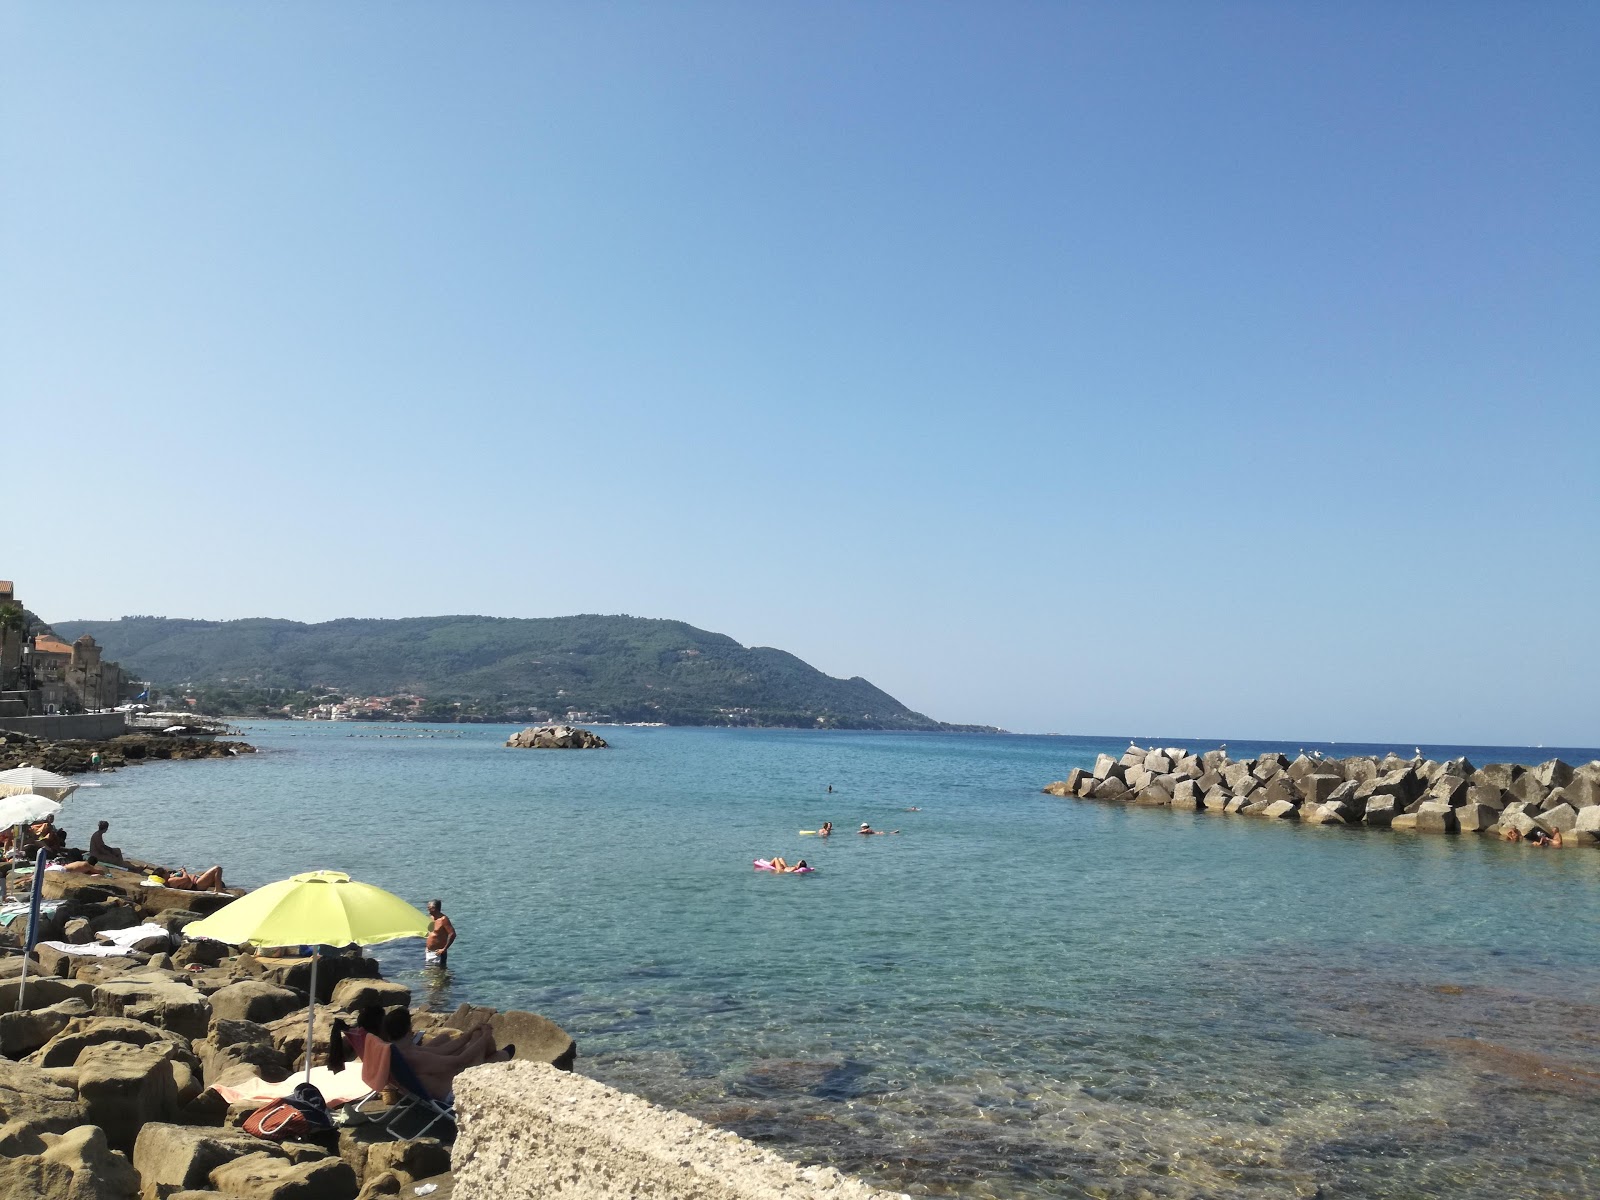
point(625, 668)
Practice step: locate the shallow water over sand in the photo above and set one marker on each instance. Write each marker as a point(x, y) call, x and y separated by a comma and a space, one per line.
point(1018, 996)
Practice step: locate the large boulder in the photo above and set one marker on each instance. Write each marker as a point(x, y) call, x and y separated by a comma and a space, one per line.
point(77, 1165)
point(1583, 790)
point(1105, 767)
point(1110, 788)
point(157, 1001)
point(22, 1033)
point(1553, 773)
point(331, 969)
point(1381, 810)
point(1487, 795)
point(1317, 787)
point(255, 1000)
point(1235, 774)
point(289, 1035)
point(1435, 817)
point(1521, 822)
point(31, 1105)
point(1527, 788)
point(236, 1050)
point(124, 1087)
point(1449, 789)
point(1137, 777)
point(556, 737)
point(1217, 798)
point(1187, 795)
point(411, 1160)
point(1279, 789)
point(42, 991)
point(267, 1176)
point(1282, 810)
point(353, 995)
point(1360, 770)
point(169, 1157)
point(536, 1038)
point(1475, 818)
point(1563, 817)
point(85, 1033)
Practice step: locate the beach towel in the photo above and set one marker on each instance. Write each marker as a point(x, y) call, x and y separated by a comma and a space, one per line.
point(127, 937)
point(337, 1087)
point(89, 951)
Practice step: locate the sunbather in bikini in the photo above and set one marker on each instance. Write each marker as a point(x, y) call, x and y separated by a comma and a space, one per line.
point(206, 881)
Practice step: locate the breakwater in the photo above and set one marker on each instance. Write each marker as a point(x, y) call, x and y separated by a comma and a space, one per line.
point(1512, 800)
point(76, 756)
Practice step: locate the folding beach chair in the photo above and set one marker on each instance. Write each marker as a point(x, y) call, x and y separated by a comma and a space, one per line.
point(414, 1098)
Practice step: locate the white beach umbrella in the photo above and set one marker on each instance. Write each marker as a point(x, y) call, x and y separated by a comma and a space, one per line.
point(37, 781)
point(26, 809)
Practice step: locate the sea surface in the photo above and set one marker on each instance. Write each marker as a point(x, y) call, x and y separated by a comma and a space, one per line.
point(1016, 996)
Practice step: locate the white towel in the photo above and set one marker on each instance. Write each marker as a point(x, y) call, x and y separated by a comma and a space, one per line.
point(127, 937)
point(88, 951)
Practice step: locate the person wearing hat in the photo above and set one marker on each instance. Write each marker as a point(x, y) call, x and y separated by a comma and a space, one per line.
point(867, 830)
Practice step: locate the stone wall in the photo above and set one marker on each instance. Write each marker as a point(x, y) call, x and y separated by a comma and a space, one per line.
point(528, 1130)
point(1509, 800)
point(84, 726)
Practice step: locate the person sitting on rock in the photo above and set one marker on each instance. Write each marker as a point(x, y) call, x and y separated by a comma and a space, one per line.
point(98, 847)
point(206, 881)
point(89, 866)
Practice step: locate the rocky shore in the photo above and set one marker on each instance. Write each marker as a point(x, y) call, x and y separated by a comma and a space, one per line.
point(107, 1071)
point(76, 757)
point(1509, 800)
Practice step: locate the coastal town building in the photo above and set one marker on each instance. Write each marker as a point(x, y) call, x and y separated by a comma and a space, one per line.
point(42, 675)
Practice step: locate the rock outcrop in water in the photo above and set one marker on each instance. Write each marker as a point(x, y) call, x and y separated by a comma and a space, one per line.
point(556, 737)
point(75, 756)
point(1509, 800)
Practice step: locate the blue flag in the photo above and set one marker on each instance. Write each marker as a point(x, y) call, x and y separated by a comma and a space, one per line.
point(33, 902)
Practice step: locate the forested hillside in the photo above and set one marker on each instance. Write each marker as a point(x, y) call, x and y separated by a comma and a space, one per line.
point(625, 668)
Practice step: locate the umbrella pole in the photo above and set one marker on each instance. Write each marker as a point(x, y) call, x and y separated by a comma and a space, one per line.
point(311, 1012)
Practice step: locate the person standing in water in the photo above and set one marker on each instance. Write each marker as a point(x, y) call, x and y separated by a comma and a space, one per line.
point(441, 936)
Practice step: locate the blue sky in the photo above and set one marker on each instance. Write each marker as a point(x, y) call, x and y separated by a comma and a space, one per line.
point(1216, 369)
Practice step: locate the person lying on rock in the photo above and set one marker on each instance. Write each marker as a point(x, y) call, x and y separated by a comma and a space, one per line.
point(89, 866)
point(206, 881)
point(435, 1057)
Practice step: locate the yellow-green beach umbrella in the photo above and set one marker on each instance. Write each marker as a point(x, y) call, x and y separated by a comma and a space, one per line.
point(317, 908)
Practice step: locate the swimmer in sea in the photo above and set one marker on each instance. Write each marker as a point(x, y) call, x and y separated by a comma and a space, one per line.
point(827, 828)
point(867, 830)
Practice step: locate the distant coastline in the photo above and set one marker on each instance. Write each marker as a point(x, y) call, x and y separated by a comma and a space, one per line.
point(587, 669)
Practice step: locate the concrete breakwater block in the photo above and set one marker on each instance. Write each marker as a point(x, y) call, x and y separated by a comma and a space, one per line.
point(528, 1130)
point(1505, 800)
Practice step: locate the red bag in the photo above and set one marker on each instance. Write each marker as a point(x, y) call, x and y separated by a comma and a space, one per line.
point(279, 1121)
point(300, 1113)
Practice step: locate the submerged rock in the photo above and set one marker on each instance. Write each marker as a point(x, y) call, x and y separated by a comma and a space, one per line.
point(556, 737)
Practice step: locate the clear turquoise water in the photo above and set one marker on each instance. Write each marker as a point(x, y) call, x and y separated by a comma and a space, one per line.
point(1018, 996)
